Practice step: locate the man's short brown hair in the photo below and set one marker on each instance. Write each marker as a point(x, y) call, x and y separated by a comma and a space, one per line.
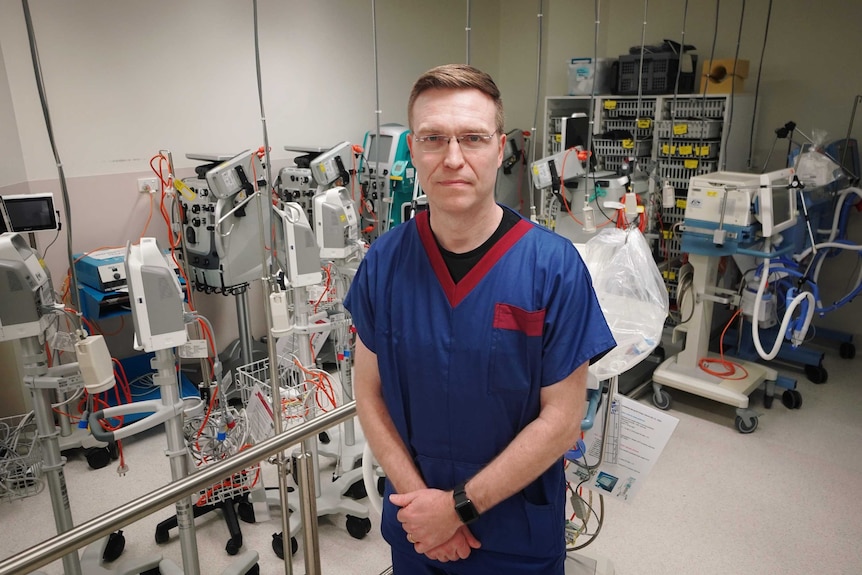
point(457, 76)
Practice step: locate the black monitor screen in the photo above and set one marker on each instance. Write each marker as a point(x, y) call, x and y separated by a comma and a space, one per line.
point(30, 213)
point(381, 155)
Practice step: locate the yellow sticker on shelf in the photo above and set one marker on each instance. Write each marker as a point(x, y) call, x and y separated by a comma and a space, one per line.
point(558, 138)
point(685, 150)
point(691, 164)
point(680, 203)
point(628, 144)
point(644, 123)
point(666, 149)
point(667, 234)
point(704, 150)
point(610, 104)
point(680, 129)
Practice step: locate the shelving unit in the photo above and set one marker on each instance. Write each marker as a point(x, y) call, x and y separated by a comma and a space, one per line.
point(674, 137)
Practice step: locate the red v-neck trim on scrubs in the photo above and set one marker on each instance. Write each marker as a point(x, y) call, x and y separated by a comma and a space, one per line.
point(456, 293)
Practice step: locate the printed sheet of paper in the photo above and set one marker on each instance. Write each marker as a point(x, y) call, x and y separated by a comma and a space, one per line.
point(637, 434)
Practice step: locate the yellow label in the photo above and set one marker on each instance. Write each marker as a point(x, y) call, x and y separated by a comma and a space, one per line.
point(628, 144)
point(666, 149)
point(703, 151)
point(536, 170)
point(669, 274)
point(680, 129)
point(680, 203)
point(691, 164)
point(398, 178)
point(558, 138)
point(667, 234)
point(182, 188)
point(644, 123)
point(610, 104)
point(711, 193)
point(342, 217)
point(685, 150)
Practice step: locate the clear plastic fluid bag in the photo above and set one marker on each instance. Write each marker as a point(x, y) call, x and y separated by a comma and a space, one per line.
point(632, 295)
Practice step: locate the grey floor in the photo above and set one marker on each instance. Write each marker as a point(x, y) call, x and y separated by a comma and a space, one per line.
point(786, 499)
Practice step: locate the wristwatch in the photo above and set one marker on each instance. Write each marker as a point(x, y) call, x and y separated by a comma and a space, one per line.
point(463, 506)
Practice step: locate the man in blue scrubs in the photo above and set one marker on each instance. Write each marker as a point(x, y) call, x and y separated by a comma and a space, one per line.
point(475, 329)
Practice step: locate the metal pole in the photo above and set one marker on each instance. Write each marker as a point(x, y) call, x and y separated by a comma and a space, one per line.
point(166, 379)
point(243, 325)
point(268, 287)
point(77, 537)
point(35, 364)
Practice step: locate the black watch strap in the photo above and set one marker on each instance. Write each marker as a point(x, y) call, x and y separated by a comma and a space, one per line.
point(465, 509)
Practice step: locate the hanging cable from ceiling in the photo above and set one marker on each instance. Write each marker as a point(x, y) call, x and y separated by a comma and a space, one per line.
point(373, 155)
point(468, 29)
point(757, 84)
point(533, 141)
point(733, 83)
point(43, 99)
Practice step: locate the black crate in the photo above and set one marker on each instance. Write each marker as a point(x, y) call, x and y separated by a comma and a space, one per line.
point(659, 74)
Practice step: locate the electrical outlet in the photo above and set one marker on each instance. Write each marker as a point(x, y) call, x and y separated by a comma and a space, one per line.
point(148, 185)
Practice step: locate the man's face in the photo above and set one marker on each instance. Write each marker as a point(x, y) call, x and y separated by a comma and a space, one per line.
point(456, 179)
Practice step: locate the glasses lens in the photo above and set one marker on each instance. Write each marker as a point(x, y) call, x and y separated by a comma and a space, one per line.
point(433, 143)
point(474, 141)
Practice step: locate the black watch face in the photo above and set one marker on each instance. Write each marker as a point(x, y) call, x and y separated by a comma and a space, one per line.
point(467, 512)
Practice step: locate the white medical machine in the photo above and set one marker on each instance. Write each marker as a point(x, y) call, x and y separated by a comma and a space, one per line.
point(727, 214)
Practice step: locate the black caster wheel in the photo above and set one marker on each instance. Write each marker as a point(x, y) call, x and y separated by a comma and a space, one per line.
point(255, 570)
point(324, 438)
point(245, 510)
point(847, 350)
point(358, 527)
point(816, 373)
point(278, 545)
point(660, 354)
point(98, 457)
point(234, 544)
point(115, 546)
point(767, 401)
point(661, 399)
point(162, 535)
point(357, 491)
point(746, 425)
point(791, 399)
point(381, 485)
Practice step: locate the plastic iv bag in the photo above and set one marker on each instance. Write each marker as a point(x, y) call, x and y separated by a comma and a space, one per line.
point(632, 295)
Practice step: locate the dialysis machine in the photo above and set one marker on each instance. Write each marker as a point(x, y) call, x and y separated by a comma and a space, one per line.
point(387, 176)
point(220, 220)
point(739, 215)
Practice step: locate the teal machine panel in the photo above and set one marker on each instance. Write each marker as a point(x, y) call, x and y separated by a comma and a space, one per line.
point(386, 177)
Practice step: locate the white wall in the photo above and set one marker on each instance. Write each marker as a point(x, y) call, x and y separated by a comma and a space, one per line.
point(12, 169)
point(126, 79)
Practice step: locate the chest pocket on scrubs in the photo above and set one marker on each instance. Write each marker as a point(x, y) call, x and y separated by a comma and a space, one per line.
point(516, 347)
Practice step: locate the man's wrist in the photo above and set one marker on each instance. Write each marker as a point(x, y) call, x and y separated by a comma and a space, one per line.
point(464, 507)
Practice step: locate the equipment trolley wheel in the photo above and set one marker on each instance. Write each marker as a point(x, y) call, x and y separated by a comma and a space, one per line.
point(816, 373)
point(98, 457)
point(746, 424)
point(278, 545)
point(767, 401)
point(791, 399)
point(358, 527)
point(847, 350)
point(661, 399)
point(245, 509)
point(162, 534)
point(234, 544)
point(255, 570)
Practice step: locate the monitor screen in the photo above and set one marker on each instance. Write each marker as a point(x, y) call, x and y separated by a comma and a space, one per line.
point(30, 212)
point(383, 154)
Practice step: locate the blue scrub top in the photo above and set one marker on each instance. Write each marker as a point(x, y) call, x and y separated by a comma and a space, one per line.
point(462, 365)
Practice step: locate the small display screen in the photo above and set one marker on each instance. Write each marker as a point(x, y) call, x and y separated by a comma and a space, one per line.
point(381, 155)
point(30, 213)
point(782, 206)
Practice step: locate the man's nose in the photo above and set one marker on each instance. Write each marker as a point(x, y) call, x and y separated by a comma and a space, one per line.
point(454, 157)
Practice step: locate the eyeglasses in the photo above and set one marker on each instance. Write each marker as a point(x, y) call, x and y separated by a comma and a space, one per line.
point(436, 143)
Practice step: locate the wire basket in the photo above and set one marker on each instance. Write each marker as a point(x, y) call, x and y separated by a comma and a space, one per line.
point(214, 437)
point(696, 108)
point(20, 458)
point(680, 129)
point(631, 108)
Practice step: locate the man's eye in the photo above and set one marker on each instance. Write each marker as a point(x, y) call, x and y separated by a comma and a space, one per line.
point(433, 139)
point(472, 138)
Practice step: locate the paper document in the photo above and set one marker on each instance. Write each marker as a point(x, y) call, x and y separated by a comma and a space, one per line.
point(637, 435)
